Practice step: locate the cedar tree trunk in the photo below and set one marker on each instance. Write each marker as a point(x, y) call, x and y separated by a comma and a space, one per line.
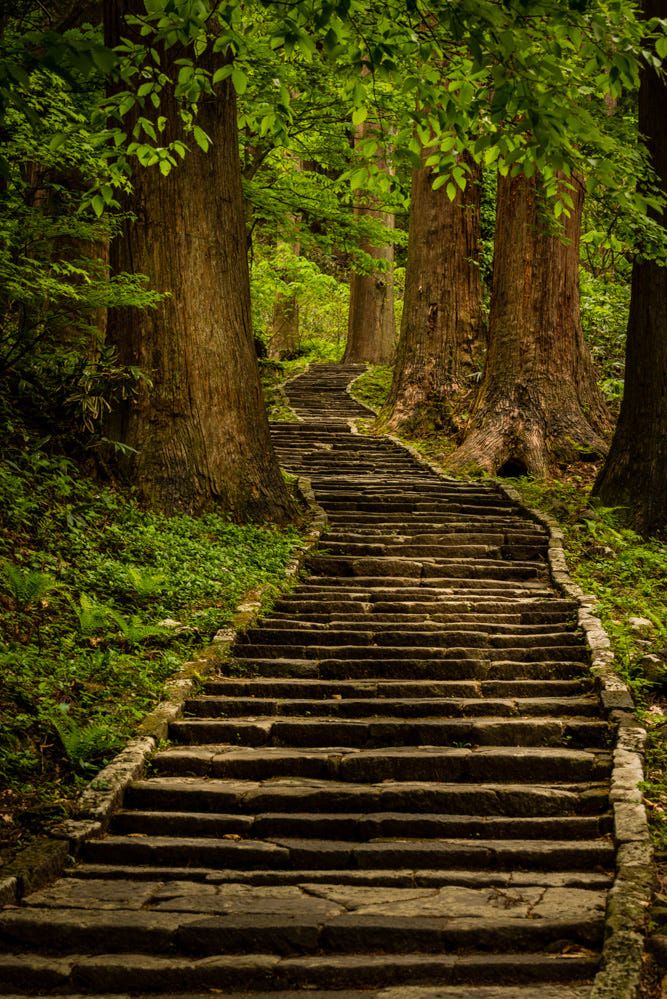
point(441, 329)
point(371, 328)
point(538, 404)
point(199, 430)
point(635, 473)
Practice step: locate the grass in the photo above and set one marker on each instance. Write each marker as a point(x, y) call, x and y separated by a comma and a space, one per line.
point(100, 602)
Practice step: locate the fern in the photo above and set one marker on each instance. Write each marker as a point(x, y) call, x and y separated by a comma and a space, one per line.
point(84, 745)
point(92, 616)
point(145, 583)
point(133, 629)
point(27, 587)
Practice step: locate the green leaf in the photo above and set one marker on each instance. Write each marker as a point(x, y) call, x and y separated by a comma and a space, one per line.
point(240, 80)
point(104, 59)
point(201, 138)
point(359, 116)
point(358, 178)
point(222, 74)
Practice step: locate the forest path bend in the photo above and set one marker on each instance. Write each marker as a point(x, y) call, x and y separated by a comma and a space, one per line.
point(396, 788)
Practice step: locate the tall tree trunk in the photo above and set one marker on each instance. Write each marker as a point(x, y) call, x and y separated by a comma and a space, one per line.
point(371, 327)
point(635, 473)
point(538, 404)
point(442, 328)
point(199, 431)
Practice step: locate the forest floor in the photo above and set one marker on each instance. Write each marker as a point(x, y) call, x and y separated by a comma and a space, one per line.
point(100, 602)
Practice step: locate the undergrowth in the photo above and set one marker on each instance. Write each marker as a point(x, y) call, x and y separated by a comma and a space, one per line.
point(100, 601)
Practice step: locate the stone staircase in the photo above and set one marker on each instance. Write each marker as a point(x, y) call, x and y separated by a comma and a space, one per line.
point(397, 787)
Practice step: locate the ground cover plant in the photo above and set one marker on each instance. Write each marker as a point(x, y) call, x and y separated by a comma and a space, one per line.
point(100, 601)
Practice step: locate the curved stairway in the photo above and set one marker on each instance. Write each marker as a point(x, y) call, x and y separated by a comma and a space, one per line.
point(396, 788)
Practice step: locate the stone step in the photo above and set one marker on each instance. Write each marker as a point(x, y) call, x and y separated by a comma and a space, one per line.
point(105, 917)
point(506, 609)
point(430, 586)
point(422, 483)
point(381, 588)
point(461, 535)
point(403, 763)
point(359, 827)
point(483, 549)
point(403, 568)
point(463, 652)
point(362, 520)
point(412, 690)
point(354, 513)
point(420, 500)
point(379, 731)
point(210, 706)
point(423, 668)
point(536, 991)
point(372, 622)
point(416, 636)
point(331, 796)
point(372, 878)
point(327, 854)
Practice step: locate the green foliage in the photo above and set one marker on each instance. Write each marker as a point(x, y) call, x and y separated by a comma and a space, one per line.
point(54, 283)
point(322, 301)
point(26, 587)
point(605, 303)
point(88, 583)
point(85, 746)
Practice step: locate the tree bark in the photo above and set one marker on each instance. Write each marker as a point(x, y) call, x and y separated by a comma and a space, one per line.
point(199, 431)
point(635, 473)
point(538, 405)
point(442, 327)
point(371, 327)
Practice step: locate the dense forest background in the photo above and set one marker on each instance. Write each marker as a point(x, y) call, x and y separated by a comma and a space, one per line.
point(199, 199)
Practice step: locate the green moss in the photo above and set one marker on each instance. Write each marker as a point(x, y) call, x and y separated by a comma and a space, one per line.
point(372, 387)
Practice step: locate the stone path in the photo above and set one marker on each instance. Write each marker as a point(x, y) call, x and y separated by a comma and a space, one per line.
point(397, 787)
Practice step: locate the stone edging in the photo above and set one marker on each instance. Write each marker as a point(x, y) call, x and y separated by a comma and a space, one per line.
point(630, 896)
point(47, 856)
